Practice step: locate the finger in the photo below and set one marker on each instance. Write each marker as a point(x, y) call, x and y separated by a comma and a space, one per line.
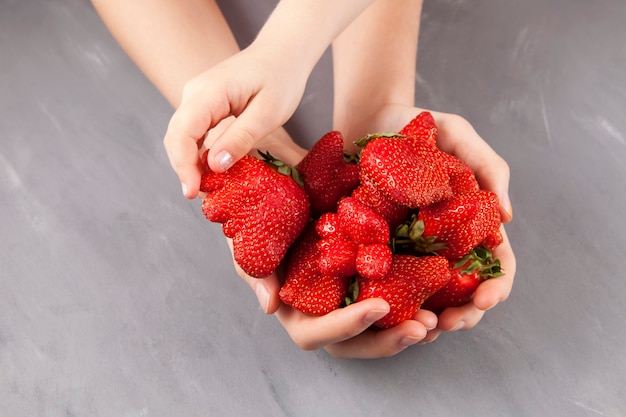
point(431, 336)
point(496, 290)
point(313, 332)
point(186, 131)
point(255, 122)
point(379, 343)
point(427, 318)
point(460, 318)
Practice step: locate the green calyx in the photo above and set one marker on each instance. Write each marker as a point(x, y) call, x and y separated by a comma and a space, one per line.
point(480, 259)
point(410, 236)
point(353, 292)
point(368, 138)
point(282, 168)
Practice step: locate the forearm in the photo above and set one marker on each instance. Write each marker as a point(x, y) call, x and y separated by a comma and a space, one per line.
point(301, 30)
point(374, 64)
point(170, 41)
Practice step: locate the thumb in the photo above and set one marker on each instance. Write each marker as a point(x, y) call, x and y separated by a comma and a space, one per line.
point(253, 124)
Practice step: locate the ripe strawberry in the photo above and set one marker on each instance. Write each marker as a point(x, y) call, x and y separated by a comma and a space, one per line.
point(409, 282)
point(261, 210)
point(422, 127)
point(337, 256)
point(306, 289)
point(328, 174)
point(360, 223)
point(393, 213)
point(461, 223)
point(373, 261)
point(410, 172)
point(466, 274)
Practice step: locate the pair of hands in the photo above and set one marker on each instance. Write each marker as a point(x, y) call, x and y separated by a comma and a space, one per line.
point(242, 108)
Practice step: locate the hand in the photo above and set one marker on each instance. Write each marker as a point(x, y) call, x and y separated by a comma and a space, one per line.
point(259, 89)
point(458, 137)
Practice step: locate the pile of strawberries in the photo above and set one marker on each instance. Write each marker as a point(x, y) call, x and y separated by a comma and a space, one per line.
point(401, 220)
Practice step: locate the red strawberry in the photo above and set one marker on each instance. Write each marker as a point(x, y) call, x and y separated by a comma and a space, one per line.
point(393, 213)
point(422, 127)
point(410, 172)
point(261, 210)
point(337, 256)
point(306, 289)
point(328, 225)
point(360, 223)
point(453, 227)
point(373, 261)
point(409, 282)
point(327, 173)
point(466, 275)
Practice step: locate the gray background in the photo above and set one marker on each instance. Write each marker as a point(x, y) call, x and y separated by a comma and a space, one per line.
point(117, 298)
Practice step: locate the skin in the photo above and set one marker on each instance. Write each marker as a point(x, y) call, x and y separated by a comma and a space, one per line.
point(222, 98)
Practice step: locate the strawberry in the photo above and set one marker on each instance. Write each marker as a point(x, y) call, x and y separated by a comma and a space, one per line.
point(360, 223)
point(421, 127)
point(337, 256)
point(261, 210)
point(409, 282)
point(450, 228)
point(373, 261)
point(328, 174)
point(466, 274)
point(410, 172)
point(393, 213)
point(306, 289)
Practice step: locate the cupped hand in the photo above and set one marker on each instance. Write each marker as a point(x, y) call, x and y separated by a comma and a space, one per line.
point(255, 86)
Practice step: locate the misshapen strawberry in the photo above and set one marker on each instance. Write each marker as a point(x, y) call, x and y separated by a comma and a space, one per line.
point(261, 210)
point(328, 174)
point(409, 282)
point(306, 288)
point(355, 239)
point(465, 276)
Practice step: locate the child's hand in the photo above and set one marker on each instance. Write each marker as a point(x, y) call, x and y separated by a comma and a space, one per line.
point(260, 90)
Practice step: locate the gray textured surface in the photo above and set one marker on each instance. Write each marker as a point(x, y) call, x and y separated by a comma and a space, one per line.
point(117, 298)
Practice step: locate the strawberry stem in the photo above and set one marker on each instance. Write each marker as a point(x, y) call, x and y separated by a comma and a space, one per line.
point(281, 167)
point(368, 138)
point(481, 259)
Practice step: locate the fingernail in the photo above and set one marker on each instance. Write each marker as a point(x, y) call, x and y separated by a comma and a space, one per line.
point(185, 189)
point(224, 160)
point(408, 341)
point(432, 339)
point(374, 315)
point(458, 326)
point(263, 296)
